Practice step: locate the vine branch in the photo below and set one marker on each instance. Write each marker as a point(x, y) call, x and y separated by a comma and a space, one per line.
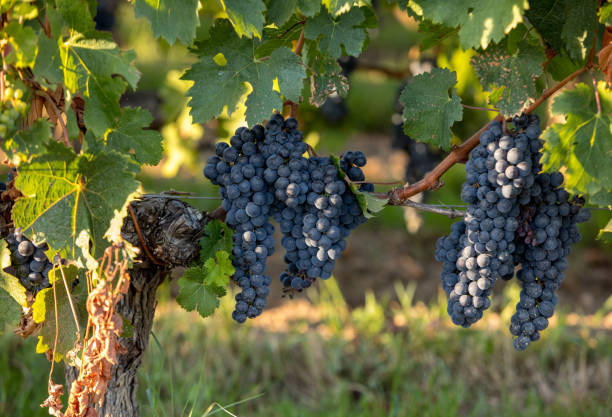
point(431, 180)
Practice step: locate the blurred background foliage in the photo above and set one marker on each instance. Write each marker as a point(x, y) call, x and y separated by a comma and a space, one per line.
point(375, 340)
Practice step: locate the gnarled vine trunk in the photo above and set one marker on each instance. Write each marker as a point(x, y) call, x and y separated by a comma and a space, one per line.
point(171, 230)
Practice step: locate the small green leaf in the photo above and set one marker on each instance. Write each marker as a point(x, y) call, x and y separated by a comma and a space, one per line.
point(201, 286)
point(218, 270)
point(131, 134)
point(336, 35)
point(374, 204)
point(24, 43)
point(65, 194)
point(170, 19)
point(217, 237)
point(43, 311)
point(247, 16)
point(516, 72)
point(194, 295)
point(429, 112)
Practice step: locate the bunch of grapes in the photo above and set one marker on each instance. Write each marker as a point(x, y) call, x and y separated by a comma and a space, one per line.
point(28, 262)
point(317, 236)
point(263, 173)
point(239, 171)
point(516, 216)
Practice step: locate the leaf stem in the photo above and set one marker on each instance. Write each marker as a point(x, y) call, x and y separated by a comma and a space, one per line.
point(596, 94)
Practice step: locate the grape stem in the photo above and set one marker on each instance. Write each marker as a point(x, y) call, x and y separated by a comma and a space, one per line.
point(434, 208)
point(465, 106)
point(431, 180)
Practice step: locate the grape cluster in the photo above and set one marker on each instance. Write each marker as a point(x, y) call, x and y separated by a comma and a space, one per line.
point(547, 229)
point(239, 170)
point(28, 262)
point(516, 216)
point(263, 173)
point(315, 237)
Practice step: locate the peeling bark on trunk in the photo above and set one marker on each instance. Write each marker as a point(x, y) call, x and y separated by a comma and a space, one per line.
point(171, 230)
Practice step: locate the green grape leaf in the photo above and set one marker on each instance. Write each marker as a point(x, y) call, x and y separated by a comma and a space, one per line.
point(577, 30)
point(373, 204)
point(76, 15)
point(87, 61)
point(24, 44)
point(30, 141)
point(337, 6)
point(327, 78)
point(102, 110)
point(587, 130)
point(217, 237)
point(201, 286)
point(606, 232)
point(429, 112)
point(170, 19)
point(10, 312)
point(274, 38)
point(548, 18)
point(65, 194)
point(309, 7)
point(434, 34)
point(560, 66)
point(247, 16)
point(43, 311)
point(208, 99)
point(605, 14)
point(481, 21)
point(279, 11)
point(47, 67)
point(131, 134)
point(516, 72)
point(336, 35)
point(218, 270)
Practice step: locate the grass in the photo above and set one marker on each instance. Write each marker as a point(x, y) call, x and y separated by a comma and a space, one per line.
point(316, 357)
